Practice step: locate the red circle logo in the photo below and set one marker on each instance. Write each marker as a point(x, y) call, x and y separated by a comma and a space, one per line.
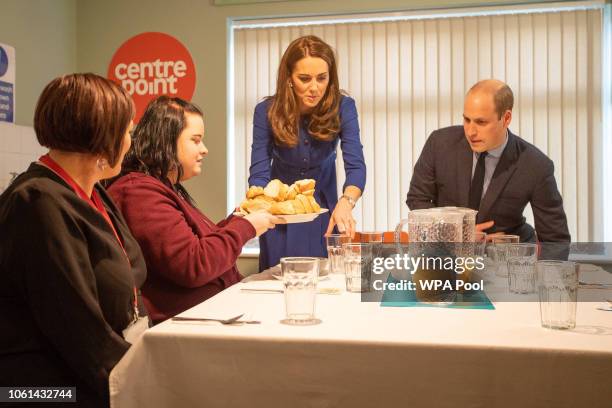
point(152, 64)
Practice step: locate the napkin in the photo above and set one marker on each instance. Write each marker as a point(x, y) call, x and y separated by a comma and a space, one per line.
point(262, 285)
point(327, 285)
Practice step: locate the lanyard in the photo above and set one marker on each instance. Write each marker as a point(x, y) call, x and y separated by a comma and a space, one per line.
point(95, 202)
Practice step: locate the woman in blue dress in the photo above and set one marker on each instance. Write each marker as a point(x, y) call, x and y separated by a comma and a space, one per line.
point(295, 135)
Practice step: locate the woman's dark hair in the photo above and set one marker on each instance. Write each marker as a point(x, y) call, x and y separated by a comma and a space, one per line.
point(154, 141)
point(284, 111)
point(84, 113)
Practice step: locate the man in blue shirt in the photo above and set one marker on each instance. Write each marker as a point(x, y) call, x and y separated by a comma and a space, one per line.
point(484, 166)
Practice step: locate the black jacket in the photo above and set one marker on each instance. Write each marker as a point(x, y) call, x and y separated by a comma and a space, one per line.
point(442, 177)
point(66, 287)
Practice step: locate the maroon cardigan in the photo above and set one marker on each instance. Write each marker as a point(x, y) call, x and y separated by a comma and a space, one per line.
point(189, 258)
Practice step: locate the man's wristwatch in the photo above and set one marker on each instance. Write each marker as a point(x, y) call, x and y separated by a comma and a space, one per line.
point(350, 199)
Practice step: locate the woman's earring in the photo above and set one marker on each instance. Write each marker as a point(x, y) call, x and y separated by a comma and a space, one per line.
point(290, 84)
point(102, 163)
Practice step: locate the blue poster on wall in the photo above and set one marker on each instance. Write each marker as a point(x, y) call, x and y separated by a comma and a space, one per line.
point(7, 83)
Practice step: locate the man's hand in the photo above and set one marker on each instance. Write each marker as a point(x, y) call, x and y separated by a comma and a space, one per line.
point(484, 226)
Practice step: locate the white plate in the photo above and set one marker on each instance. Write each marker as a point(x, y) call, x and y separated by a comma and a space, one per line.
point(297, 218)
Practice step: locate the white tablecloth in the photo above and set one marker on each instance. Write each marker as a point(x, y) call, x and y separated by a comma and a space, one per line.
point(365, 355)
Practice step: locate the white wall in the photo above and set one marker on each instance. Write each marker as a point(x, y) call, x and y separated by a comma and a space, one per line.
point(43, 33)
point(18, 148)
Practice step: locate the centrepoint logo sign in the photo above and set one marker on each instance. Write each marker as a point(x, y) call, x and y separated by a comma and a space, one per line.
point(150, 78)
point(153, 64)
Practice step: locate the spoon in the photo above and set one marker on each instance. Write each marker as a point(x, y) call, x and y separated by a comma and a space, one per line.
point(207, 319)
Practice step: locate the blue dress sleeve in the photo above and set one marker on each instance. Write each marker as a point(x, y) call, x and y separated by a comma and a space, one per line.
point(261, 149)
point(350, 143)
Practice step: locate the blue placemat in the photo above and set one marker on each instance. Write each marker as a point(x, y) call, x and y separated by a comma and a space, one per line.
point(463, 300)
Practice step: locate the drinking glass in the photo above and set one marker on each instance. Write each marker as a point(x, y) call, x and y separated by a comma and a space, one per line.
point(335, 252)
point(300, 283)
point(558, 292)
point(374, 238)
point(357, 266)
point(521, 267)
point(477, 250)
point(499, 252)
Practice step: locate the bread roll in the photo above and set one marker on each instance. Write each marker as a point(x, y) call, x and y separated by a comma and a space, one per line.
point(254, 191)
point(273, 189)
point(306, 184)
point(282, 208)
point(292, 192)
point(280, 199)
point(305, 202)
point(256, 204)
point(299, 207)
point(282, 193)
point(265, 198)
point(276, 190)
point(313, 203)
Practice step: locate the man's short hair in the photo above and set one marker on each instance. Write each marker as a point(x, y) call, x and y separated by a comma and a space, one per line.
point(503, 98)
point(84, 113)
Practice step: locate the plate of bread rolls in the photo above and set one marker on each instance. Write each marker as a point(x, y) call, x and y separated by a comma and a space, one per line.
point(293, 204)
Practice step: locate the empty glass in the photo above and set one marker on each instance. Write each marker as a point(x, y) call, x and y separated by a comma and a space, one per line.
point(521, 267)
point(477, 250)
point(374, 238)
point(480, 237)
point(558, 292)
point(499, 252)
point(300, 283)
point(335, 252)
point(357, 266)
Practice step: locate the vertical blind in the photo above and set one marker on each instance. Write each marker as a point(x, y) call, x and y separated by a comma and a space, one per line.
point(409, 78)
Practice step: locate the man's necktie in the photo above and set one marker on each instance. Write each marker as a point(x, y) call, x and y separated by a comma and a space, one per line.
point(477, 182)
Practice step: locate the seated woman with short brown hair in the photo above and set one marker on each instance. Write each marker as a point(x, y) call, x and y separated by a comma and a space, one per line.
point(69, 267)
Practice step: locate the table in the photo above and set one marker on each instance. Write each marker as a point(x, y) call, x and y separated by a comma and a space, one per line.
point(365, 355)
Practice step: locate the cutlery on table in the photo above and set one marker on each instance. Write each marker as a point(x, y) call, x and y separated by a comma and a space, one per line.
point(321, 291)
point(231, 320)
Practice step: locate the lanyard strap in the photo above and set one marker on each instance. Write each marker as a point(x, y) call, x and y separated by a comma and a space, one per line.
point(95, 202)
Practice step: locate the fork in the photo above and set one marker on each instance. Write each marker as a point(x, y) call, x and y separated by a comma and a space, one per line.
point(206, 319)
point(320, 291)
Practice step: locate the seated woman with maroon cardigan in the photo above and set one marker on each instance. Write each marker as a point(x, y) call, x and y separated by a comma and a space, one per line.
point(189, 258)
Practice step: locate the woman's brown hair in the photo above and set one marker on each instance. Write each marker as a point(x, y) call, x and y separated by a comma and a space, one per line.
point(284, 112)
point(154, 141)
point(84, 113)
